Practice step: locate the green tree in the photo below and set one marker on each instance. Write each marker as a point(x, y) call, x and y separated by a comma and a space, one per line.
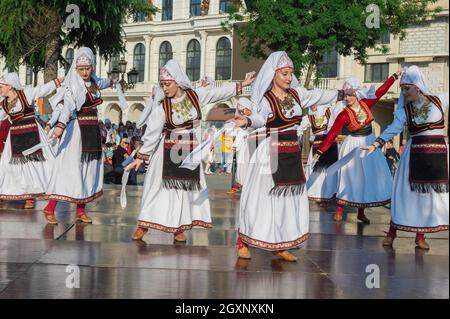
point(33, 32)
point(307, 29)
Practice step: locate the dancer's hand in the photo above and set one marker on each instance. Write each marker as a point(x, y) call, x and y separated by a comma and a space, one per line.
point(58, 132)
point(204, 82)
point(249, 78)
point(316, 157)
point(136, 164)
point(369, 148)
point(47, 128)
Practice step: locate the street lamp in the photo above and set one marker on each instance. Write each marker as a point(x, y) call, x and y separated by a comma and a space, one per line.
point(116, 73)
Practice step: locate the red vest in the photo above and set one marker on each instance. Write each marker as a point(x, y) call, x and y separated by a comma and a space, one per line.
point(355, 125)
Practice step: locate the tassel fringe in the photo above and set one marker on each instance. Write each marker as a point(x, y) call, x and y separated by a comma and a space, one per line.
point(426, 187)
point(186, 185)
point(87, 157)
point(290, 190)
point(37, 156)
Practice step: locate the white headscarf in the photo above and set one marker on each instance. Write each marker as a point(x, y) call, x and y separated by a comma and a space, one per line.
point(266, 74)
point(413, 75)
point(362, 92)
point(11, 79)
point(172, 71)
point(73, 92)
point(176, 73)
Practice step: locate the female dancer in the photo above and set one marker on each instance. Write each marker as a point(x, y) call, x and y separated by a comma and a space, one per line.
point(274, 208)
point(420, 190)
point(176, 199)
point(77, 175)
point(24, 176)
point(362, 182)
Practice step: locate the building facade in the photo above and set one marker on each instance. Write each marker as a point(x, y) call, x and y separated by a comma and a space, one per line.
point(191, 32)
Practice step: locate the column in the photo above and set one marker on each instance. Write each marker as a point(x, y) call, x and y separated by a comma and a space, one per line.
point(148, 40)
point(203, 36)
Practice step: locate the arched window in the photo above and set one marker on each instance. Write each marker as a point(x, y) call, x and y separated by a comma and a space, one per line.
point(165, 53)
point(69, 59)
point(139, 61)
point(195, 8)
point(223, 59)
point(193, 60)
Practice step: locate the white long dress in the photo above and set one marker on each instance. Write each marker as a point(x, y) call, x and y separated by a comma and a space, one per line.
point(28, 180)
point(413, 211)
point(73, 180)
point(242, 157)
point(174, 210)
point(267, 221)
point(320, 186)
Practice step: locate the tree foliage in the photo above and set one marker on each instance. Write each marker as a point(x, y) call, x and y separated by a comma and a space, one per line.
point(307, 29)
point(29, 29)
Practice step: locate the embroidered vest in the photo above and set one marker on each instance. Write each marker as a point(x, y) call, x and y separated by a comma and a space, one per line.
point(314, 127)
point(415, 128)
point(27, 109)
point(279, 120)
point(167, 104)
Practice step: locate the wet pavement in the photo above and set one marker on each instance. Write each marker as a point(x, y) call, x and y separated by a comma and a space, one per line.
point(338, 261)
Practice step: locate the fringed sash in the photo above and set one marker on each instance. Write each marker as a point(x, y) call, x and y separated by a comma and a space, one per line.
point(428, 167)
point(91, 139)
point(176, 147)
point(286, 164)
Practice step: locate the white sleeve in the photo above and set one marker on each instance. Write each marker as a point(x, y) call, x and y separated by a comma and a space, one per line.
point(309, 98)
point(103, 83)
point(56, 115)
point(396, 127)
point(216, 94)
point(155, 126)
point(304, 125)
point(260, 114)
point(40, 91)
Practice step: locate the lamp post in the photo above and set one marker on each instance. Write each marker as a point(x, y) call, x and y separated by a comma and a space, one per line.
point(119, 72)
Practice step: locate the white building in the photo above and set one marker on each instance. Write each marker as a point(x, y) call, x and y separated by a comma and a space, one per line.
point(192, 33)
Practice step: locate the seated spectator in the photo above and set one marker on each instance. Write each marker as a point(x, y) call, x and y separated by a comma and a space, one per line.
point(119, 156)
